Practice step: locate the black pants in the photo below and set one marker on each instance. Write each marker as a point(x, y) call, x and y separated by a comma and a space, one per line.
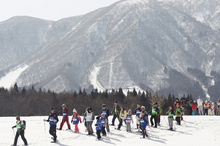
point(53, 132)
point(22, 137)
point(113, 119)
point(158, 119)
point(178, 120)
point(155, 120)
point(120, 123)
point(103, 131)
point(190, 110)
point(98, 134)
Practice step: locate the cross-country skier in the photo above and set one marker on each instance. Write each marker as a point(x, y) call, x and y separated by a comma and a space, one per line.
point(206, 107)
point(129, 119)
point(200, 106)
point(65, 117)
point(159, 113)
point(143, 121)
point(183, 105)
point(190, 102)
point(115, 112)
point(194, 107)
point(213, 109)
point(218, 107)
point(20, 125)
point(170, 117)
point(52, 119)
point(180, 104)
point(123, 112)
point(105, 111)
point(178, 114)
point(98, 127)
point(209, 107)
point(104, 124)
point(138, 112)
point(153, 113)
point(75, 120)
point(89, 115)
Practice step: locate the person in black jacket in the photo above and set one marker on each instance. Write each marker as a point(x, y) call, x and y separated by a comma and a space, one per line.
point(105, 111)
point(53, 119)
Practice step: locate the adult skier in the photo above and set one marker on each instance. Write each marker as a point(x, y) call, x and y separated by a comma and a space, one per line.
point(153, 113)
point(159, 113)
point(190, 103)
point(115, 112)
point(52, 119)
point(138, 112)
point(123, 112)
point(20, 125)
point(89, 116)
point(105, 111)
point(65, 117)
point(200, 106)
point(183, 105)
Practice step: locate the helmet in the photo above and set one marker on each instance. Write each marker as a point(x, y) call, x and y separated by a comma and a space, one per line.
point(18, 118)
point(143, 107)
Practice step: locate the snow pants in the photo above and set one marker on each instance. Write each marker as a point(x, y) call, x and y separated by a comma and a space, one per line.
point(170, 121)
point(89, 127)
point(155, 120)
point(107, 126)
point(128, 125)
point(113, 119)
point(143, 127)
point(120, 123)
point(212, 113)
point(103, 131)
point(200, 109)
point(65, 119)
point(137, 121)
point(22, 137)
point(52, 131)
point(206, 111)
point(178, 120)
point(76, 127)
point(193, 112)
point(209, 112)
point(190, 110)
point(158, 118)
point(98, 133)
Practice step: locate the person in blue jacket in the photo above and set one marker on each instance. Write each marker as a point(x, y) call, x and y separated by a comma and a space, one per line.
point(137, 112)
point(106, 112)
point(143, 121)
point(98, 127)
point(53, 119)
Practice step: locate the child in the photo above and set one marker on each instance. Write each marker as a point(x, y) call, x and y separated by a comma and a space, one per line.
point(75, 120)
point(128, 118)
point(138, 112)
point(143, 121)
point(213, 109)
point(98, 127)
point(153, 113)
point(206, 107)
point(121, 117)
point(104, 123)
point(209, 108)
point(170, 117)
point(194, 107)
point(178, 114)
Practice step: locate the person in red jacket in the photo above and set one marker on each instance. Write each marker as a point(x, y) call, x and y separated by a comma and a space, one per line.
point(65, 117)
point(194, 107)
point(180, 104)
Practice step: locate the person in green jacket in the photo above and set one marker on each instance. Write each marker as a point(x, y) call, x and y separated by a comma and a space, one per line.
point(115, 111)
point(20, 125)
point(153, 113)
point(159, 113)
point(178, 114)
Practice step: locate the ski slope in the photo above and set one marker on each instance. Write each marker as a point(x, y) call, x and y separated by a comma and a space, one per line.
point(197, 130)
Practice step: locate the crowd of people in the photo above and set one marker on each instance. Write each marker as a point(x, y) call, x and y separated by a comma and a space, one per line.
point(123, 116)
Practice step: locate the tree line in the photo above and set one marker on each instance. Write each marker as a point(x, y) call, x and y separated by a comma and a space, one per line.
point(30, 102)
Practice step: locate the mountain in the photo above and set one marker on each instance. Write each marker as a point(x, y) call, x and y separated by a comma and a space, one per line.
point(166, 46)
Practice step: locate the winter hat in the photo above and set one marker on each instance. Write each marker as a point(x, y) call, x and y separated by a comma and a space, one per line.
point(129, 111)
point(103, 105)
point(51, 108)
point(74, 110)
point(63, 105)
point(206, 101)
point(18, 118)
point(98, 117)
point(143, 107)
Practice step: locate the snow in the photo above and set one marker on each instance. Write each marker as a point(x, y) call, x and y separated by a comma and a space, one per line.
point(93, 79)
point(195, 130)
point(10, 78)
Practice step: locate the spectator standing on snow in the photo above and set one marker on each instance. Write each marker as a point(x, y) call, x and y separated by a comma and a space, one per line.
point(89, 116)
point(53, 119)
point(194, 107)
point(200, 106)
point(115, 112)
point(20, 125)
point(65, 113)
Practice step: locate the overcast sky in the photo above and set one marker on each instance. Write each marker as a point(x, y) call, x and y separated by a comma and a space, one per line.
point(49, 9)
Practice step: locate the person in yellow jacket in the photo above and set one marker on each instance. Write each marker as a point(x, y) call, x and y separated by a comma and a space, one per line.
point(122, 114)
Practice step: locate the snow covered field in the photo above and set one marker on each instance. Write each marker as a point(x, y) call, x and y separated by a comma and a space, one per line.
point(197, 130)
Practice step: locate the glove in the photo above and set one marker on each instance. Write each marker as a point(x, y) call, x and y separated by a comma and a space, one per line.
point(80, 121)
point(13, 127)
point(71, 121)
point(96, 124)
point(44, 120)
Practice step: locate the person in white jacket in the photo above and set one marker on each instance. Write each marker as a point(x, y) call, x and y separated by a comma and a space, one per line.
point(200, 106)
